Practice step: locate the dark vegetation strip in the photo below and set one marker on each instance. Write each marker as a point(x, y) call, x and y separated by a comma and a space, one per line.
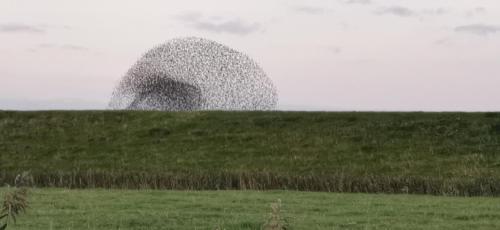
point(266, 181)
point(426, 153)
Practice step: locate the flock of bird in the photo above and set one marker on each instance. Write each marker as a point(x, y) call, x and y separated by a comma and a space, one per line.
point(187, 74)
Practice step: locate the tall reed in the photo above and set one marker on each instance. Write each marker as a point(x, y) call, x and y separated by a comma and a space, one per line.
point(227, 180)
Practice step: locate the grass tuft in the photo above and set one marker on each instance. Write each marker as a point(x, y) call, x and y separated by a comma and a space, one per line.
point(15, 203)
point(275, 220)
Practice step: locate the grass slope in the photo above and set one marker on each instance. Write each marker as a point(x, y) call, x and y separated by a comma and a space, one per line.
point(315, 144)
point(126, 209)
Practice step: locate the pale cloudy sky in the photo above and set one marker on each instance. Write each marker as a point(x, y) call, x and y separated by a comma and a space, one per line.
point(432, 55)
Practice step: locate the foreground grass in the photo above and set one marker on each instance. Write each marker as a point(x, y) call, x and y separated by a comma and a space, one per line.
point(128, 209)
point(123, 148)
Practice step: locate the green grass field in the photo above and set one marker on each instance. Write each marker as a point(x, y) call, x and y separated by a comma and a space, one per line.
point(127, 209)
point(435, 153)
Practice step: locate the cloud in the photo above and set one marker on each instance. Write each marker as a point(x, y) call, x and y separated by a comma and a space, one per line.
point(73, 47)
point(442, 41)
point(219, 25)
point(309, 10)
point(478, 29)
point(474, 12)
point(329, 49)
point(335, 50)
point(46, 45)
point(234, 26)
point(434, 12)
point(190, 16)
point(364, 2)
point(21, 28)
point(397, 11)
point(70, 47)
point(407, 12)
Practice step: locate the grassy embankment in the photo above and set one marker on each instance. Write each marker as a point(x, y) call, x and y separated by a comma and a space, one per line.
point(433, 153)
point(146, 209)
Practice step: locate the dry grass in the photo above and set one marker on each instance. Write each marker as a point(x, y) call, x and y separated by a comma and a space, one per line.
point(275, 220)
point(227, 180)
point(15, 202)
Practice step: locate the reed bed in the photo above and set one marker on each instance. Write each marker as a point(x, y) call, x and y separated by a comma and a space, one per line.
point(264, 181)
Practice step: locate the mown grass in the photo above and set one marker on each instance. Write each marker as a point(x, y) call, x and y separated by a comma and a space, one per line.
point(145, 209)
point(398, 151)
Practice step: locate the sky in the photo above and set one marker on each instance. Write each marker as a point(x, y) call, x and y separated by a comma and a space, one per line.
point(338, 55)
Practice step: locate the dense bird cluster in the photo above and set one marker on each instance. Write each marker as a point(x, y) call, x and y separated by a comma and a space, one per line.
point(188, 74)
